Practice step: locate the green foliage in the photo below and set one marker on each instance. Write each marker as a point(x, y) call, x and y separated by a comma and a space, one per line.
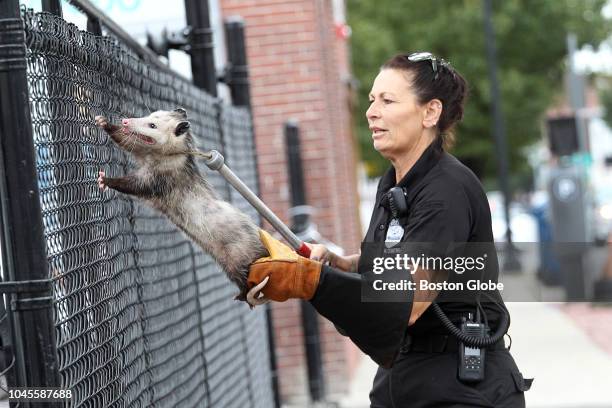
point(605, 97)
point(531, 49)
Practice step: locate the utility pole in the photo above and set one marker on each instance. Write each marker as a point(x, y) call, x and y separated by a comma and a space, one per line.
point(511, 260)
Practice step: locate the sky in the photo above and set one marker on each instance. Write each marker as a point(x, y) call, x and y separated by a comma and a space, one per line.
point(590, 59)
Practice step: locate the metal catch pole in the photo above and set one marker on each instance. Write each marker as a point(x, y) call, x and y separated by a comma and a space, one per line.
point(217, 162)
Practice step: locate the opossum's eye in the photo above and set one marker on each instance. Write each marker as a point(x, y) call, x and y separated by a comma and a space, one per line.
point(181, 128)
point(152, 126)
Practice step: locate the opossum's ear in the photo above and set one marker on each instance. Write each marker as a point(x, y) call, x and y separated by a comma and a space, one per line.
point(181, 128)
point(181, 112)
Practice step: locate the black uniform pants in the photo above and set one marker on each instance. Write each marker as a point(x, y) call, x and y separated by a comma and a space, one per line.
point(429, 380)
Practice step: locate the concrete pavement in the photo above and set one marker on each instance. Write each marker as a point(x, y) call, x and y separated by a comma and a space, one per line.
point(570, 369)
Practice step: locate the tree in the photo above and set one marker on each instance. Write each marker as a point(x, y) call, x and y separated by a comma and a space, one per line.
point(605, 97)
point(531, 48)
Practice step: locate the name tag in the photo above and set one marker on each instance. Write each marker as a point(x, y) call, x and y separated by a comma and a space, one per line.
point(395, 232)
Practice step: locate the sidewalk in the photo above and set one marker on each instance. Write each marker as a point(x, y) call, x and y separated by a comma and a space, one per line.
point(570, 369)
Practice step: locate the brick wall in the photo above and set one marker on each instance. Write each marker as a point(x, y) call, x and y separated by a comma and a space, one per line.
point(298, 68)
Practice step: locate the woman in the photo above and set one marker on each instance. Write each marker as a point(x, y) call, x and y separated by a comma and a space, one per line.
point(415, 101)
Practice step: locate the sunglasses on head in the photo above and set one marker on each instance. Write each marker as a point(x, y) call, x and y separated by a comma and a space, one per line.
point(426, 56)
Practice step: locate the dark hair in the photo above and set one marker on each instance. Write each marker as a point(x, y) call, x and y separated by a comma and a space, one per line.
point(447, 85)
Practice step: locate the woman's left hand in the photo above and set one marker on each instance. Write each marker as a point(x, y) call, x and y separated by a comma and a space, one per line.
point(291, 276)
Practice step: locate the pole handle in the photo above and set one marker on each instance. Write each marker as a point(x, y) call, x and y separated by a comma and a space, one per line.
point(304, 250)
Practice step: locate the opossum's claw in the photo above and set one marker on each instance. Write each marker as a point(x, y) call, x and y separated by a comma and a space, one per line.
point(101, 183)
point(101, 121)
point(255, 297)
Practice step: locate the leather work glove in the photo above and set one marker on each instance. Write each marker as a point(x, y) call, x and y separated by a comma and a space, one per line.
point(282, 275)
point(377, 328)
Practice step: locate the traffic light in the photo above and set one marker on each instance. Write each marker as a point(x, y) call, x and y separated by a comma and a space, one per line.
point(563, 136)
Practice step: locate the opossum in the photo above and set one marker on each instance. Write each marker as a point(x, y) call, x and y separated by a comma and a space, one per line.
point(168, 179)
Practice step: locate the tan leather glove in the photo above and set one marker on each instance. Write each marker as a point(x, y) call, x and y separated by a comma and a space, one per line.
point(290, 275)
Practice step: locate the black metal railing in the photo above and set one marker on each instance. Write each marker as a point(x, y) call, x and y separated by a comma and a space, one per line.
point(130, 312)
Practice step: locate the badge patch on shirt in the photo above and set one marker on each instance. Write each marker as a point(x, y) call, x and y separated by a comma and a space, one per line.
point(395, 232)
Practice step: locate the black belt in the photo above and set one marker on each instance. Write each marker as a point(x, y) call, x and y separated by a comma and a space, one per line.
point(438, 343)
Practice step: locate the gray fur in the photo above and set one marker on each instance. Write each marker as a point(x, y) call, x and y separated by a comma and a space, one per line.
point(168, 179)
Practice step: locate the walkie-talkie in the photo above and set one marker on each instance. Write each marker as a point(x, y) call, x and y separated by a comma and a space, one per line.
point(472, 359)
point(397, 202)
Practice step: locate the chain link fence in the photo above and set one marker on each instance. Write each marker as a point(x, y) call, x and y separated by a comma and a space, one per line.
point(142, 316)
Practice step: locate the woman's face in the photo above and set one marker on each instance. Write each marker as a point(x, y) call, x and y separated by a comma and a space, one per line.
point(395, 117)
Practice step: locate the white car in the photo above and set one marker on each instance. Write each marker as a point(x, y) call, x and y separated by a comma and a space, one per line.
point(524, 225)
point(602, 223)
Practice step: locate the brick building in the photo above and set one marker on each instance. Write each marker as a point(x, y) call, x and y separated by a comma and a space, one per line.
point(298, 63)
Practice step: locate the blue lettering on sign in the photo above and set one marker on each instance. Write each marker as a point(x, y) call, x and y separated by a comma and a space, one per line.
point(128, 5)
point(122, 5)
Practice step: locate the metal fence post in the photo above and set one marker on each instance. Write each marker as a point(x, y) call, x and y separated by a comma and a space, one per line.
point(201, 46)
point(238, 72)
point(310, 321)
point(238, 80)
point(52, 6)
point(23, 245)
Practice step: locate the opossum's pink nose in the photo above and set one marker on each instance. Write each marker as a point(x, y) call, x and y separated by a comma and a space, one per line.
point(125, 122)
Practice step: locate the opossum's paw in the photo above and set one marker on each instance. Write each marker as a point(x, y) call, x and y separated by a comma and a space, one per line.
point(101, 122)
point(240, 281)
point(101, 184)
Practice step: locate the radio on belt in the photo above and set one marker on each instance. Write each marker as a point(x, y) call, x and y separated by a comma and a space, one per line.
point(472, 359)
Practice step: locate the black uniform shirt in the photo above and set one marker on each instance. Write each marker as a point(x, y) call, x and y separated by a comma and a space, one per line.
point(446, 204)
